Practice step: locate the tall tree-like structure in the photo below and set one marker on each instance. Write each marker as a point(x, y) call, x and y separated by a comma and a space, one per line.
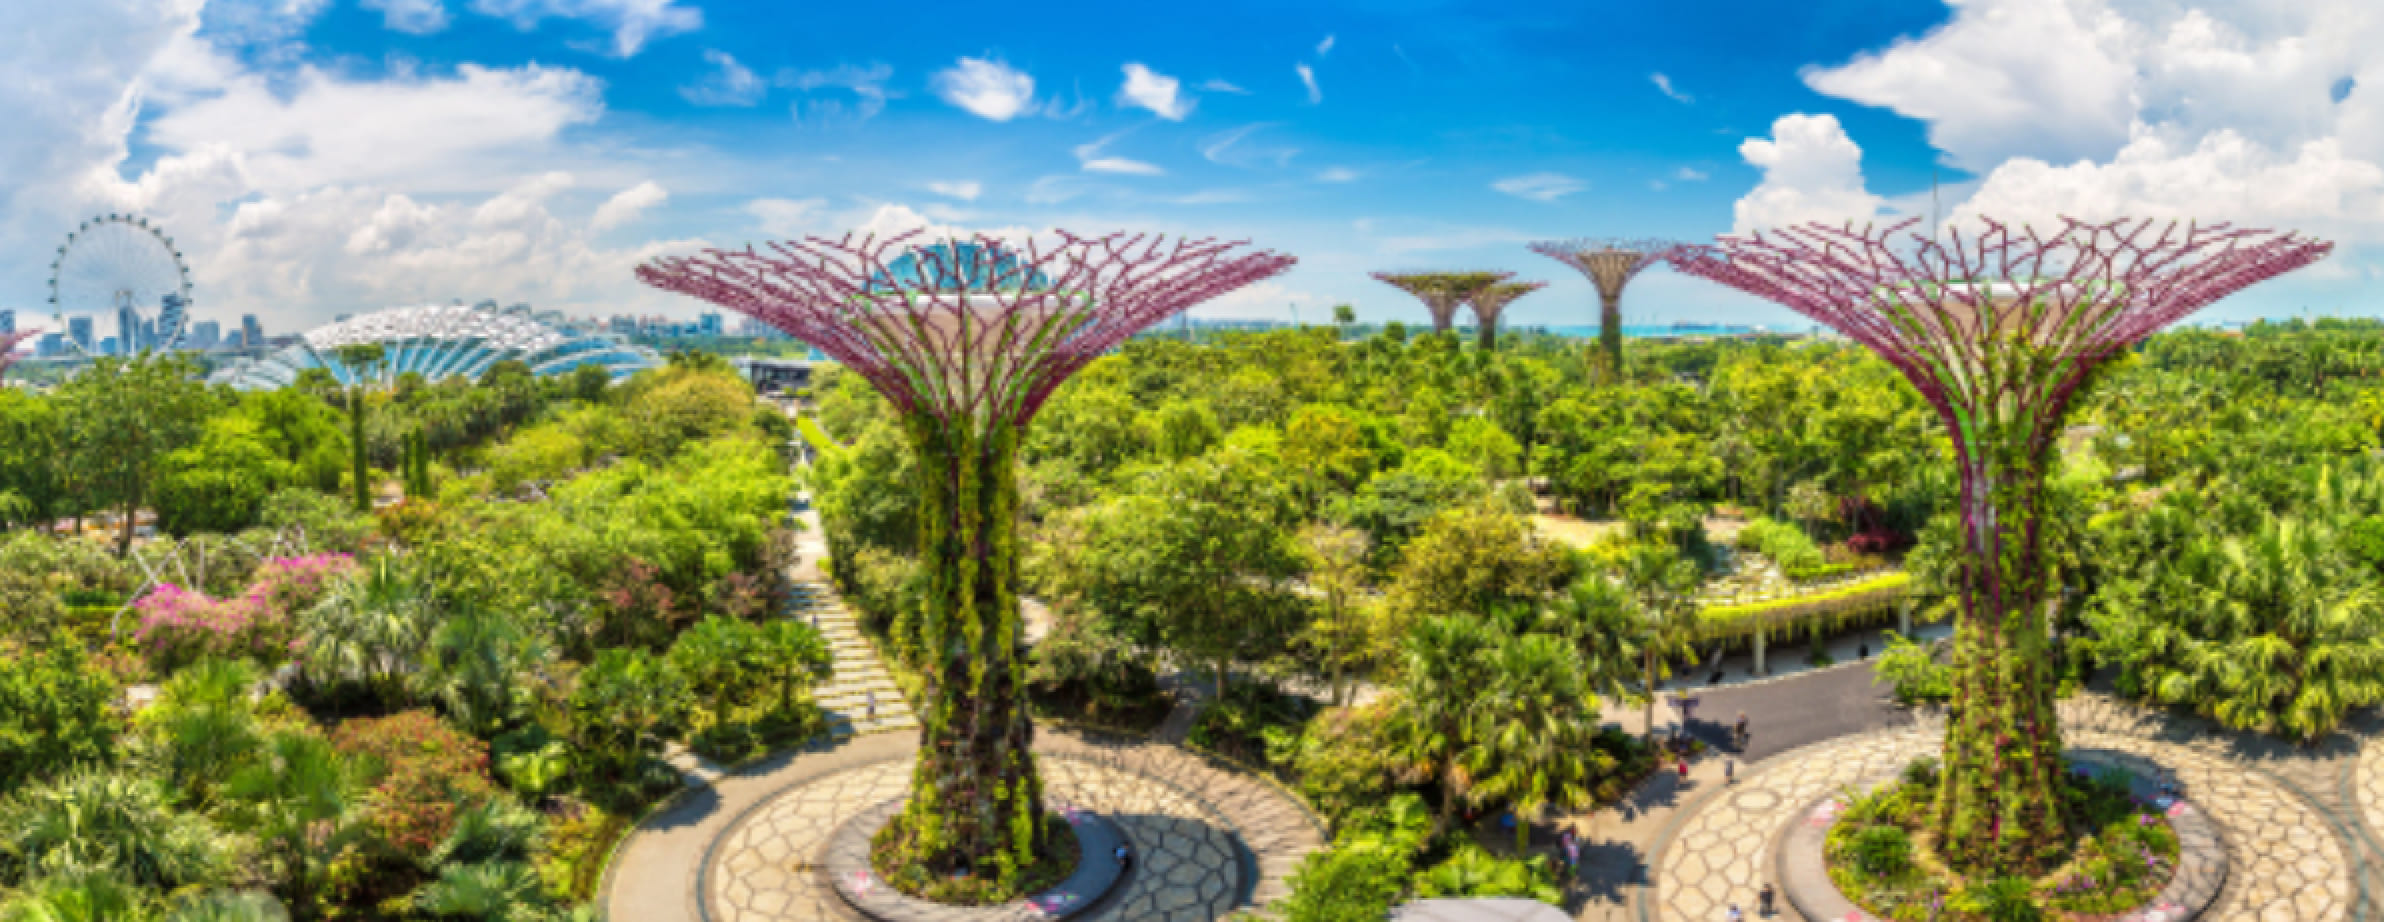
point(8, 347)
point(1492, 301)
point(1998, 330)
point(1610, 263)
point(1443, 292)
point(967, 338)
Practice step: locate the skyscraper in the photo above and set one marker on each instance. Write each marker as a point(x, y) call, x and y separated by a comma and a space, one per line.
point(205, 334)
point(8, 322)
point(707, 325)
point(128, 330)
point(78, 331)
point(252, 333)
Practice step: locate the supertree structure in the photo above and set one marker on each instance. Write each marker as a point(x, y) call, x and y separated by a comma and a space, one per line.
point(1610, 263)
point(1492, 301)
point(1443, 292)
point(8, 347)
point(1998, 330)
point(967, 338)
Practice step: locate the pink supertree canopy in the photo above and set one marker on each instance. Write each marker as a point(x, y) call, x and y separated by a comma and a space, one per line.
point(968, 330)
point(1609, 262)
point(8, 347)
point(1944, 310)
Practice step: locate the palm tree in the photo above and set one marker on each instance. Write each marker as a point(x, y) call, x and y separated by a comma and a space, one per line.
point(1531, 739)
point(493, 890)
point(204, 725)
point(1445, 675)
point(98, 820)
point(77, 896)
point(230, 906)
point(2288, 639)
point(303, 803)
point(368, 630)
point(1660, 582)
point(1603, 624)
point(473, 667)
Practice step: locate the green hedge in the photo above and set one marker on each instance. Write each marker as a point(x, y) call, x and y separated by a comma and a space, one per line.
point(1867, 595)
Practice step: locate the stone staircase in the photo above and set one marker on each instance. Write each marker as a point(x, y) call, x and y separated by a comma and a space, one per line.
point(860, 674)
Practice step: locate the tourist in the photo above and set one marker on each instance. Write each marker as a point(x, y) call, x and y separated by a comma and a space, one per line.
point(1571, 845)
point(1684, 770)
point(1125, 858)
point(1863, 651)
point(1729, 771)
point(1738, 733)
point(871, 704)
point(1735, 915)
point(1763, 899)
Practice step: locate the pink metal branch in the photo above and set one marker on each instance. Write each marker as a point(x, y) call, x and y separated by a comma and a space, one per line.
point(1945, 311)
point(1609, 262)
point(8, 346)
point(970, 331)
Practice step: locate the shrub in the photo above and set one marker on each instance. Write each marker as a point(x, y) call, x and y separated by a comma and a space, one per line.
point(54, 713)
point(570, 861)
point(2004, 899)
point(426, 775)
point(103, 821)
point(180, 626)
point(1883, 850)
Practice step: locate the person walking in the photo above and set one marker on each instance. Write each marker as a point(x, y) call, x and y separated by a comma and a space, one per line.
point(1125, 858)
point(1572, 852)
point(1729, 771)
point(1684, 771)
point(1735, 915)
point(871, 704)
point(1763, 899)
point(1738, 732)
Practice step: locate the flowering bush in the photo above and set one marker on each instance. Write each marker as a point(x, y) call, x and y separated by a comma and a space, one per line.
point(179, 626)
point(290, 584)
point(427, 774)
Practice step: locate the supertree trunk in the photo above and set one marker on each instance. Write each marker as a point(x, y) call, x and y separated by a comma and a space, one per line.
point(1998, 806)
point(1490, 303)
point(975, 793)
point(1443, 292)
point(1610, 334)
point(1998, 330)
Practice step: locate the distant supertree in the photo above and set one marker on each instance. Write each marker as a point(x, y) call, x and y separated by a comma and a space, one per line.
point(1492, 301)
point(1443, 292)
point(967, 339)
point(8, 347)
point(1998, 330)
point(1610, 263)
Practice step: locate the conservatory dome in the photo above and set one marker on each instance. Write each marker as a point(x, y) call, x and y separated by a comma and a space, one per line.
point(437, 342)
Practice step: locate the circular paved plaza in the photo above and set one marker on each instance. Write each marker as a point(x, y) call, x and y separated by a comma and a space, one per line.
point(2289, 864)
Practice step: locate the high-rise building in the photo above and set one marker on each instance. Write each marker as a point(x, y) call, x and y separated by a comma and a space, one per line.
point(624, 325)
point(52, 345)
point(8, 322)
point(205, 335)
point(108, 346)
point(128, 330)
point(252, 333)
point(78, 331)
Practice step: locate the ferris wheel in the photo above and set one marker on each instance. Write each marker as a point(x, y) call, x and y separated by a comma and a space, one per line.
point(125, 274)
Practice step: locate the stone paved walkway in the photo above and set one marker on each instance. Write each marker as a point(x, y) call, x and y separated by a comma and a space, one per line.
point(2292, 859)
point(860, 677)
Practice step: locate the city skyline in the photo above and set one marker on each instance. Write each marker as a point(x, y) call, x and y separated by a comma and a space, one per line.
point(537, 154)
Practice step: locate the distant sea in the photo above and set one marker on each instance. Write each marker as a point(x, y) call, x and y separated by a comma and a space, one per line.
point(1590, 331)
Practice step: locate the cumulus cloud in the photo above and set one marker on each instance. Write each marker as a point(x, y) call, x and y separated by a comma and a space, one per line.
point(1149, 89)
point(1308, 79)
point(2226, 177)
point(414, 17)
point(785, 217)
point(628, 205)
point(987, 88)
point(1540, 187)
point(632, 22)
point(965, 190)
point(1811, 172)
point(728, 84)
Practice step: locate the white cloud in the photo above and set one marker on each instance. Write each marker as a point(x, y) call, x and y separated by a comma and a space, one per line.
point(2226, 177)
point(1811, 172)
point(1308, 79)
point(628, 205)
point(415, 17)
point(1216, 85)
point(987, 88)
point(965, 190)
point(785, 217)
point(1121, 165)
point(1227, 148)
point(1664, 83)
point(866, 84)
point(1690, 174)
point(1155, 91)
point(728, 84)
point(1337, 174)
point(632, 22)
point(1089, 158)
point(1540, 187)
point(1325, 47)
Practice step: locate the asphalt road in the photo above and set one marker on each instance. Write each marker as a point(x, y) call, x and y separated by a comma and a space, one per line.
point(1794, 711)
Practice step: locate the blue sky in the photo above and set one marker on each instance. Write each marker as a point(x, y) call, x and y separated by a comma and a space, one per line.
point(333, 156)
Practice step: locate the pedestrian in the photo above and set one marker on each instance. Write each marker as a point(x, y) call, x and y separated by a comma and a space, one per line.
point(1863, 651)
point(1739, 731)
point(1572, 851)
point(1684, 770)
point(1763, 899)
point(1125, 858)
point(1735, 915)
point(1729, 771)
point(872, 704)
